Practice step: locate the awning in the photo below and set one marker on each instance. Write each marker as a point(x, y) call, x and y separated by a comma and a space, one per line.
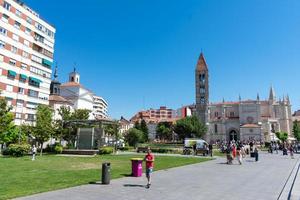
point(47, 62)
point(22, 76)
point(35, 79)
point(12, 73)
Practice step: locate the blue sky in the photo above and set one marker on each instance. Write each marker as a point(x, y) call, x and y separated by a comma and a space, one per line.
point(140, 54)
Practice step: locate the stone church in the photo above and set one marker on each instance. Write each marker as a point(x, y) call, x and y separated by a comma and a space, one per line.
point(241, 120)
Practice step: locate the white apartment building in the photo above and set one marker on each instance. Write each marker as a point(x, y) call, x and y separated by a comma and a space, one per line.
point(100, 107)
point(26, 56)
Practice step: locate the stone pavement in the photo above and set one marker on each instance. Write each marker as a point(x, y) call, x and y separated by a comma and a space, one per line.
point(261, 180)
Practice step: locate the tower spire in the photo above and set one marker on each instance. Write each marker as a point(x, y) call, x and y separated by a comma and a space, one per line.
point(201, 65)
point(257, 97)
point(272, 96)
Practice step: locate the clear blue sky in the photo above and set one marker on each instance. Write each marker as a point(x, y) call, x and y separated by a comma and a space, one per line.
point(141, 53)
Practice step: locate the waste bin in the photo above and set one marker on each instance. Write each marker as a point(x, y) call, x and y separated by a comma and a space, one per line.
point(105, 173)
point(137, 167)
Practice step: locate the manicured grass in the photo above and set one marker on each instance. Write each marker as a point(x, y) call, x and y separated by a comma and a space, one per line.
point(21, 176)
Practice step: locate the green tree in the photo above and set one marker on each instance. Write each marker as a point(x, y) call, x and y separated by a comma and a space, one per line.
point(137, 125)
point(7, 127)
point(113, 130)
point(144, 129)
point(43, 128)
point(164, 130)
point(296, 129)
point(81, 114)
point(189, 127)
point(283, 136)
point(134, 136)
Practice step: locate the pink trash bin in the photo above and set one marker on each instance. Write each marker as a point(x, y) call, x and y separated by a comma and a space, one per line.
point(137, 167)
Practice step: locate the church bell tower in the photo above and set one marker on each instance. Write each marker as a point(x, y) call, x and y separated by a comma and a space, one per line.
point(202, 89)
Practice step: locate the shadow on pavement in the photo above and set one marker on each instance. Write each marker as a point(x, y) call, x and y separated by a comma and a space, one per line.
point(133, 185)
point(126, 175)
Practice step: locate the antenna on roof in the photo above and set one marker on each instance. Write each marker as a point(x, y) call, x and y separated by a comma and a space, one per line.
point(75, 66)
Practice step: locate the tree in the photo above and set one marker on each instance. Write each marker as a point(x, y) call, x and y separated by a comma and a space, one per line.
point(81, 114)
point(144, 129)
point(114, 131)
point(283, 136)
point(134, 136)
point(7, 127)
point(164, 130)
point(296, 130)
point(189, 127)
point(43, 128)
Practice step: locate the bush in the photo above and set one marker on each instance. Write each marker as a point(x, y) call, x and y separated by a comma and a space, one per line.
point(106, 150)
point(126, 148)
point(58, 148)
point(17, 150)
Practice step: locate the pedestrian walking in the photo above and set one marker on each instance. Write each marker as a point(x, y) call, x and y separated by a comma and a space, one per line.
point(256, 154)
point(149, 158)
point(233, 151)
point(292, 151)
point(239, 154)
point(210, 148)
point(33, 152)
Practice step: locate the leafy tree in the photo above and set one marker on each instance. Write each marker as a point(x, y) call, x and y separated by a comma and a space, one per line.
point(144, 129)
point(137, 125)
point(164, 130)
point(134, 136)
point(81, 114)
point(43, 129)
point(283, 136)
point(189, 127)
point(296, 130)
point(7, 127)
point(114, 131)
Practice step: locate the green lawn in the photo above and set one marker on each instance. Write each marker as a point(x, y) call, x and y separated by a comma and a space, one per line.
point(21, 176)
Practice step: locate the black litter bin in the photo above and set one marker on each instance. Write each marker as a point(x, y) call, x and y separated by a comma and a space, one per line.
point(105, 173)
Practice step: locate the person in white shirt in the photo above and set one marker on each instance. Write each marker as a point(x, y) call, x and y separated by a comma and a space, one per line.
point(33, 152)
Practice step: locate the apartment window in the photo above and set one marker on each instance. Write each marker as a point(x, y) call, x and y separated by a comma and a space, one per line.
point(20, 103)
point(18, 115)
point(21, 90)
point(2, 44)
point(5, 18)
point(30, 117)
point(25, 54)
point(9, 88)
point(27, 43)
point(23, 66)
point(15, 37)
point(28, 31)
point(12, 62)
point(3, 31)
point(36, 59)
point(33, 93)
point(22, 78)
point(6, 5)
point(17, 25)
point(14, 49)
point(18, 13)
point(34, 82)
point(29, 20)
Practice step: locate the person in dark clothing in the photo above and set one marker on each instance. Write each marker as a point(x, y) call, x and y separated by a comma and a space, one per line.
point(195, 149)
point(210, 149)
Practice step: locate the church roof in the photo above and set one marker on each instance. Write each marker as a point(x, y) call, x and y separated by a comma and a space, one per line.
point(58, 98)
point(201, 65)
point(250, 126)
point(71, 84)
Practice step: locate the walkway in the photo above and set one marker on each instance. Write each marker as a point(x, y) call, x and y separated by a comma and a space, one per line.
point(261, 180)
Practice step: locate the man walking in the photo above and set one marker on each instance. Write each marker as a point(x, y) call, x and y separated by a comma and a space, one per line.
point(149, 158)
point(33, 152)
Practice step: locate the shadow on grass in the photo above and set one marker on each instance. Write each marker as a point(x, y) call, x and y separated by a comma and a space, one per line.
point(126, 175)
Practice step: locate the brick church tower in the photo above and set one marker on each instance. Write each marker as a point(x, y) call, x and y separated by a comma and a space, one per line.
point(202, 89)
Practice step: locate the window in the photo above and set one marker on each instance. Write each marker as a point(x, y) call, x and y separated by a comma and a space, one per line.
point(21, 90)
point(34, 82)
point(3, 31)
point(12, 62)
point(40, 72)
point(6, 5)
point(27, 43)
point(17, 25)
point(28, 31)
point(30, 117)
point(15, 37)
point(36, 59)
point(18, 115)
point(33, 93)
point(22, 79)
point(9, 88)
point(23, 66)
point(20, 103)
point(216, 128)
point(5, 18)
point(25, 54)
point(202, 100)
point(2, 44)
point(14, 49)
point(18, 13)
point(29, 20)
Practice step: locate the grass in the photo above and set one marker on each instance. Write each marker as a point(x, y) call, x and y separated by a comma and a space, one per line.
point(21, 176)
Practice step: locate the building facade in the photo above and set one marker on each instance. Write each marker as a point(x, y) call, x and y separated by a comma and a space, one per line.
point(244, 119)
point(26, 57)
point(100, 107)
point(155, 115)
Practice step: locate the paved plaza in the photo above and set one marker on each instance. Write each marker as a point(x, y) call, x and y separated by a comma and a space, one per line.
point(261, 180)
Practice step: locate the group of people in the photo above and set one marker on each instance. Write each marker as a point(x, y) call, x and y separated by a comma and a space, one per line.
point(285, 147)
